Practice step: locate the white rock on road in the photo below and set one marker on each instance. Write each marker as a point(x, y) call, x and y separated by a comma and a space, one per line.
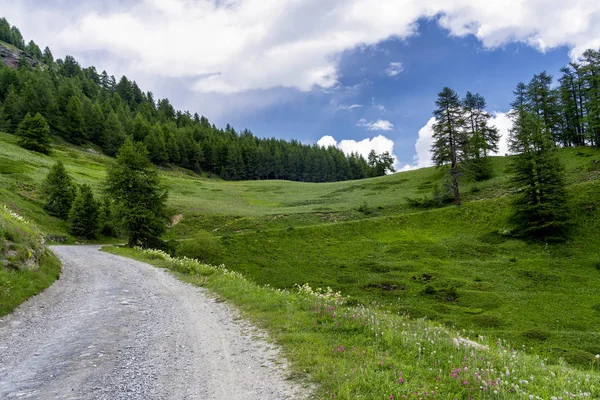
point(114, 328)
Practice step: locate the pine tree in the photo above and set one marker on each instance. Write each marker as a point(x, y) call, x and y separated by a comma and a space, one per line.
point(155, 143)
point(113, 134)
point(74, 123)
point(34, 134)
point(448, 134)
point(58, 191)
point(105, 218)
point(47, 57)
point(540, 206)
point(139, 199)
point(93, 118)
point(12, 110)
point(84, 214)
point(481, 139)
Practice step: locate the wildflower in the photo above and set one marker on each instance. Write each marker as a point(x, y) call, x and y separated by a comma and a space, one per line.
point(597, 356)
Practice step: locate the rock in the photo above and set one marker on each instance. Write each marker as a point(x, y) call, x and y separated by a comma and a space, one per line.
point(11, 56)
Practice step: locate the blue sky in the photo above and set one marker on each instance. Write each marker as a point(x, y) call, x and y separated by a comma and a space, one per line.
point(431, 60)
point(355, 73)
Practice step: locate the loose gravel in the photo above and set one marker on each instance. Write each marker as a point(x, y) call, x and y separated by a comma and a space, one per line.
point(114, 328)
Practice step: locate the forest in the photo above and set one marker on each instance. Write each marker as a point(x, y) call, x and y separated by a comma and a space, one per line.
point(81, 105)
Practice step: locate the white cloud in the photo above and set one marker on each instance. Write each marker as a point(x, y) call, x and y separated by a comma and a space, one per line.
point(232, 46)
point(502, 121)
point(422, 158)
point(379, 125)
point(380, 107)
point(379, 143)
point(394, 69)
point(343, 107)
point(327, 141)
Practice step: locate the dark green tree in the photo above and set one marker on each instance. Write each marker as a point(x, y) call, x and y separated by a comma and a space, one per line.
point(540, 206)
point(113, 134)
point(58, 191)
point(74, 124)
point(47, 57)
point(449, 136)
point(140, 201)
point(84, 214)
point(381, 164)
point(481, 138)
point(34, 134)
point(12, 110)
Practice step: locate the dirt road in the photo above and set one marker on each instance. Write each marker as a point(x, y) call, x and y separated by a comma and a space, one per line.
point(113, 328)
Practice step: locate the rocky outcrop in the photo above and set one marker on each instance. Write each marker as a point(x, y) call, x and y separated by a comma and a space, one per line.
point(11, 56)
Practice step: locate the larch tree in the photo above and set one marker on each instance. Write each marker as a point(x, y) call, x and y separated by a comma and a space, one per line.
point(58, 191)
point(482, 138)
point(133, 183)
point(84, 214)
point(74, 123)
point(449, 136)
point(34, 134)
point(540, 206)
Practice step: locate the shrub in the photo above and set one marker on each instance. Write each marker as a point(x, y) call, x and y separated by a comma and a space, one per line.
point(203, 247)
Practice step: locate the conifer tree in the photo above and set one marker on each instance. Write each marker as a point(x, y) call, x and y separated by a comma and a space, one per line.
point(34, 134)
point(448, 134)
point(113, 134)
point(481, 138)
point(139, 199)
point(47, 57)
point(74, 123)
point(84, 214)
point(540, 206)
point(58, 191)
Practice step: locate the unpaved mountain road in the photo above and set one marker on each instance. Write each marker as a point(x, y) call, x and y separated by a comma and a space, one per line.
point(114, 328)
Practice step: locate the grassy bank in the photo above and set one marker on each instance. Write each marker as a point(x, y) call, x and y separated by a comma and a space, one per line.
point(26, 266)
point(365, 352)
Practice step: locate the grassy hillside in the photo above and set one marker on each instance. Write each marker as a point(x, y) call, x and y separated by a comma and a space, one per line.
point(26, 267)
point(453, 265)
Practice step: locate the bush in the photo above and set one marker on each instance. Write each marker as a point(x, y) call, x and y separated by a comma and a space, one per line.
point(203, 247)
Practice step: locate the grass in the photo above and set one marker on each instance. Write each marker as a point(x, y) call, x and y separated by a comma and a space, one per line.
point(372, 241)
point(354, 352)
point(26, 266)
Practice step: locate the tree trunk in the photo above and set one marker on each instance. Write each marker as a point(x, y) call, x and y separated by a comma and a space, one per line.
point(454, 173)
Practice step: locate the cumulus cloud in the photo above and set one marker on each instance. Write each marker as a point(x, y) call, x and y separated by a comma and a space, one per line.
point(422, 157)
point(379, 125)
point(232, 46)
point(502, 121)
point(379, 143)
point(394, 69)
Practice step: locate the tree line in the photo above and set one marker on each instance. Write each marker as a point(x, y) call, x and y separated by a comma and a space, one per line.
point(81, 105)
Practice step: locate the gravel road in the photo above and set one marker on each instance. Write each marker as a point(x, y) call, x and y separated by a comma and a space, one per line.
point(114, 328)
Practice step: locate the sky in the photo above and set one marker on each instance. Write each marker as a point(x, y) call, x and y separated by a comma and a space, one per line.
point(357, 74)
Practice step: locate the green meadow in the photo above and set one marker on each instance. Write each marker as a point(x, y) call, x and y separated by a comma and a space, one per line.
point(377, 242)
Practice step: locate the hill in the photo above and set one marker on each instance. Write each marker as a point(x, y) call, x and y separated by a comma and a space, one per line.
point(374, 240)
